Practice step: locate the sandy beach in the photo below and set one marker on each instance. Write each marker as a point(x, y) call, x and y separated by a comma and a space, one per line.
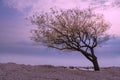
point(12, 71)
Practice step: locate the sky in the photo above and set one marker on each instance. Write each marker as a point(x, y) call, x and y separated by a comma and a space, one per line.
point(16, 46)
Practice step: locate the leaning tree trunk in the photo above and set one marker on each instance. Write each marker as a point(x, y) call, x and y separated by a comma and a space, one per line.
point(94, 61)
point(95, 64)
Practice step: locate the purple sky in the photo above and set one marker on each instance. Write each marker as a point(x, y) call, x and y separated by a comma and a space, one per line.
point(16, 46)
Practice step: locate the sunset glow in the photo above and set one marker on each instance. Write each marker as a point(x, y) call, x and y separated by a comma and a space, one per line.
point(15, 33)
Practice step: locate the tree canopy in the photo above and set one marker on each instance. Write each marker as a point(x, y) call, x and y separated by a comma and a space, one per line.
point(71, 29)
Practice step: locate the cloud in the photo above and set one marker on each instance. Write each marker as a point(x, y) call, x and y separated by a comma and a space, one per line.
point(107, 7)
point(38, 5)
point(28, 7)
point(19, 5)
point(43, 4)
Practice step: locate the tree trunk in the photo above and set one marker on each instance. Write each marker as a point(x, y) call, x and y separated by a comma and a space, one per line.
point(94, 61)
point(96, 65)
point(91, 57)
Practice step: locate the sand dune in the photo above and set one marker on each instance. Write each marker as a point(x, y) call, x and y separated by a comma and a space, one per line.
point(12, 71)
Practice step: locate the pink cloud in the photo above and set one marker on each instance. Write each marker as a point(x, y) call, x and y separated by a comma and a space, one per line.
point(109, 8)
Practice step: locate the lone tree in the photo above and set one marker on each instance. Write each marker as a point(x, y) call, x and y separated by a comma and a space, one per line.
point(71, 29)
